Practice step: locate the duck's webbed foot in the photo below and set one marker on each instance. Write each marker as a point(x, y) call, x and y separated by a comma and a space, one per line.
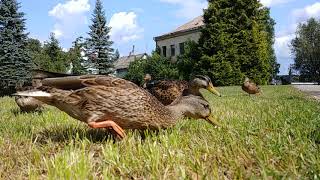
point(109, 124)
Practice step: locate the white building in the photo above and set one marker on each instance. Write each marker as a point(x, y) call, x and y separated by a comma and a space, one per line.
point(172, 44)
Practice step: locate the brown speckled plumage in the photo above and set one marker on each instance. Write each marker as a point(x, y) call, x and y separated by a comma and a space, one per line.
point(28, 104)
point(129, 106)
point(166, 91)
point(250, 87)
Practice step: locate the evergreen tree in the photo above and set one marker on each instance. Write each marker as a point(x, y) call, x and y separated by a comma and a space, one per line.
point(99, 48)
point(76, 58)
point(34, 47)
point(53, 57)
point(236, 41)
point(116, 55)
point(269, 24)
point(15, 62)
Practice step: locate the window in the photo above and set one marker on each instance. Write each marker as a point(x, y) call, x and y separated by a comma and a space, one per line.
point(173, 50)
point(181, 46)
point(164, 51)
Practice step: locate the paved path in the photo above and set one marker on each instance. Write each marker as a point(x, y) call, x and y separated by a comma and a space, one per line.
point(313, 90)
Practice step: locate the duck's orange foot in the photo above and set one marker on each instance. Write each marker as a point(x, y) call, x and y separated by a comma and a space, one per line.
point(109, 124)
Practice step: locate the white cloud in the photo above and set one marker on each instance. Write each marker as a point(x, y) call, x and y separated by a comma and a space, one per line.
point(69, 17)
point(307, 12)
point(188, 8)
point(124, 27)
point(284, 37)
point(57, 32)
point(70, 7)
point(282, 46)
point(270, 3)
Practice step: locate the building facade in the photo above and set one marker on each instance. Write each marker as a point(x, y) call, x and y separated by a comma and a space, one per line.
point(172, 44)
point(122, 64)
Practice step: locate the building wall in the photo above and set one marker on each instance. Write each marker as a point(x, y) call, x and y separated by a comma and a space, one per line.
point(193, 36)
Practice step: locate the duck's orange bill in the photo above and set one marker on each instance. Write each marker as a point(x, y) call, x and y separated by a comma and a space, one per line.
point(213, 90)
point(210, 119)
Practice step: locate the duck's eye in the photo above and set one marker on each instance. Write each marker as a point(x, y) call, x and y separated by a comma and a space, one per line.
point(205, 105)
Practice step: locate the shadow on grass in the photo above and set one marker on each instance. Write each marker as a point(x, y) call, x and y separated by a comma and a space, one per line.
point(17, 111)
point(66, 134)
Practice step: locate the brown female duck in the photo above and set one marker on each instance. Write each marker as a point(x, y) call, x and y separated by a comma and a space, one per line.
point(166, 91)
point(250, 87)
point(28, 104)
point(109, 102)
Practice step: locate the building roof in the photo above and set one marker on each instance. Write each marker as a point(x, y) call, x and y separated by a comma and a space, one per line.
point(124, 62)
point(192, 25)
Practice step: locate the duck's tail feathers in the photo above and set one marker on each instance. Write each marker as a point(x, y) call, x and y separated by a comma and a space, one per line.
point(33, 93)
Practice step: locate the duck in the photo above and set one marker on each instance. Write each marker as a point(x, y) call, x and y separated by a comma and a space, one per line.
point(250, 87)
point(28, 104)
point(117, 104)
point(166, 91)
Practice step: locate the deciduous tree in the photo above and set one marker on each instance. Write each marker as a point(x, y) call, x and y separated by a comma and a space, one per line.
point(306, 50)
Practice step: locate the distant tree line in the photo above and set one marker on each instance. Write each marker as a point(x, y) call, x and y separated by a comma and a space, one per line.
point(19, 54)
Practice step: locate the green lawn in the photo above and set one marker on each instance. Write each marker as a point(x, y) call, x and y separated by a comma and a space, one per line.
point(275, 135)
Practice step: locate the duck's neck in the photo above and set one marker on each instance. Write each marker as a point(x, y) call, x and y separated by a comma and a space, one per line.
point(192, 90)
point(177, 111)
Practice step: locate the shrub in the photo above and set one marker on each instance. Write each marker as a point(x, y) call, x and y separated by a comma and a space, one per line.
point(157, 66)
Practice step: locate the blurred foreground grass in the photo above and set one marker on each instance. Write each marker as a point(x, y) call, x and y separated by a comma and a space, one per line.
point(275, 135)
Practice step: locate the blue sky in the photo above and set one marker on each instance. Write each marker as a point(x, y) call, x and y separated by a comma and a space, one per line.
point(137, 22)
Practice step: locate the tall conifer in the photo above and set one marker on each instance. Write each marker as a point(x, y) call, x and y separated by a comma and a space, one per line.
point(15, 62)
point(99, 44)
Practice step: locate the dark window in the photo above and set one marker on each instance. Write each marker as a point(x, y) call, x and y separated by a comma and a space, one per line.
point(173, 50)
point(181, 46)
point(164, 51)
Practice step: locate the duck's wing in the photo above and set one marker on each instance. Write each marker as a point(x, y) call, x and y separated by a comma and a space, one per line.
point(131, 108)
point(78, 82)
point(253, 87)
point(107, 81)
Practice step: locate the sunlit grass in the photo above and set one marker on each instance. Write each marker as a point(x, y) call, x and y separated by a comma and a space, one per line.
point(275, 135)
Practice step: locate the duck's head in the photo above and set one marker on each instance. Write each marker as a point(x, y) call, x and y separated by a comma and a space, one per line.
point(246, 79)
point(147, 78)
point(203, 82)
point(196, 107)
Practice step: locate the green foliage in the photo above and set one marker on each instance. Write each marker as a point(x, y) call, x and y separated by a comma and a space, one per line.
point(306, 50)
point(187, 63)
point(157, 66)
point(236, 41)
point(116, 55)
point(34, 47)
point(52, 57)
point(99, 48)
point(15, 62)
point(79, 64)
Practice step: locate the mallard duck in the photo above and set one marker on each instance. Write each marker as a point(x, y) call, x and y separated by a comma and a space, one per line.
point(110, 102)
point(166, 91)
point(250, 87)
point(28, 104)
